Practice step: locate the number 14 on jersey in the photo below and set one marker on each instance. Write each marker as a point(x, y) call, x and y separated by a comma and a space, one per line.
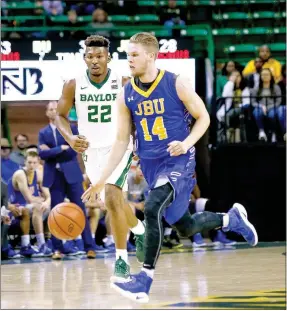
point(158, 129)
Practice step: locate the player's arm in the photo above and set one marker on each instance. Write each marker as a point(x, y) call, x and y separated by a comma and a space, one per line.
point(65, 104)
point(20, 179)
point(197, 109)
point(118, 149)
point(45, 191)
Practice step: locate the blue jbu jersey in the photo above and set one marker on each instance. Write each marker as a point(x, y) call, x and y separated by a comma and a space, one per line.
point(159, 115)
point(16, 197)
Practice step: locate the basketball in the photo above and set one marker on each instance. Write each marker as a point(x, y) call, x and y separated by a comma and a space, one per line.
point(66, 221)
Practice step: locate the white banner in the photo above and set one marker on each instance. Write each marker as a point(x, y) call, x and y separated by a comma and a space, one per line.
point(43, 80)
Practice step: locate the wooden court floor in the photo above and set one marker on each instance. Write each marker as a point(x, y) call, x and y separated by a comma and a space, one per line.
point(230, 278)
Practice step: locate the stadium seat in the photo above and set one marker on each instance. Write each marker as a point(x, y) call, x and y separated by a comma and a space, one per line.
point(20, 5)
point(22, 18)
point(119, 18)
point(162, 33)
point(231, 16)
point(86, 19)
point(59, 19)
point(146, 18)
point(146, 3)
point(241, 48)
point(193, 32)
point(178, 2)
point(277, 47)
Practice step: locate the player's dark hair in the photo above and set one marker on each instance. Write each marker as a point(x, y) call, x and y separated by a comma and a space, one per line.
point(97, 41)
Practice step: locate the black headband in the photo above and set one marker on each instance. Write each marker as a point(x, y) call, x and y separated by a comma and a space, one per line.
point(99, 44)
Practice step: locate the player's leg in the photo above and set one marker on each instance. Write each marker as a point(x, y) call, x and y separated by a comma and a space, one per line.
point(74, 193)
point(37, 221)
point(235, 220)
point(158, 199)
point(114, 202)
point(26, 249)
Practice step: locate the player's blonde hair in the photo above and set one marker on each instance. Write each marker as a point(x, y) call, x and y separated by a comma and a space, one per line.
point(146, 39)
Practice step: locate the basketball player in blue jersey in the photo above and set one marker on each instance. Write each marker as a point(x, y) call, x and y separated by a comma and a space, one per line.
point(25, 190)
point(156, 101)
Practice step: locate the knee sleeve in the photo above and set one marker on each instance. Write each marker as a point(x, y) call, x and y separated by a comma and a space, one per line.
point(189, 224)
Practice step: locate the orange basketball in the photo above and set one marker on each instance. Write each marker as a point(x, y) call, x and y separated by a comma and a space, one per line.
point(66, 221)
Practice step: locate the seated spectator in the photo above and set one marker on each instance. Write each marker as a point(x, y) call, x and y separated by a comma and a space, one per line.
point(100, 21)
point(253, 79)
point(267, 106)
point(39, 11)
point(282, 84)
point(73, 22)
point(18, 155)
point(268, 62)
point(8, 167)
point(226, 71)
point(81, 8)
point(172, 15)
point(236, 104)
point(53, 7)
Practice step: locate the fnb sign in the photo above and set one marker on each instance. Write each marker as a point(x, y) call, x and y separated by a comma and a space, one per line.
point(26, 81)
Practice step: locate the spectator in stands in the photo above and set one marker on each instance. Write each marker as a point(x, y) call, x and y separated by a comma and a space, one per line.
point(63, 176)
point(53, 7)
point(266, 105)
point(268, 62)
point(8, 167)
point(81, 7)
point(253, 79)
point(226, 71)
point(171, 15)
point(74, 22)
point(38, 11)
point(100, 21)
point(18, 155)
point(236, 103)
point(282, 84)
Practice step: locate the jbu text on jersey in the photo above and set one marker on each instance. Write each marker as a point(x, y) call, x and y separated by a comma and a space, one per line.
point(150, 107)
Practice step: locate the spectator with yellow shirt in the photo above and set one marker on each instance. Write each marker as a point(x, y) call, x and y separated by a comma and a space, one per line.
point(268, 62)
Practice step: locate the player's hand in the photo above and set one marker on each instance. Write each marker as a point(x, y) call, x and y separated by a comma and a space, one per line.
point(176, 148)
point(6, 220)
point(79, 143)
point(90, 195)
point(44, 206)
point(15, 210)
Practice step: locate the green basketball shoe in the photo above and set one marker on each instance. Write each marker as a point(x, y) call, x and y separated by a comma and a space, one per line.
point(121, 272)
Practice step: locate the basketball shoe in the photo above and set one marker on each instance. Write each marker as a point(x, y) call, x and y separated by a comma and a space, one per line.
point(239, 223)
point(137, 289)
